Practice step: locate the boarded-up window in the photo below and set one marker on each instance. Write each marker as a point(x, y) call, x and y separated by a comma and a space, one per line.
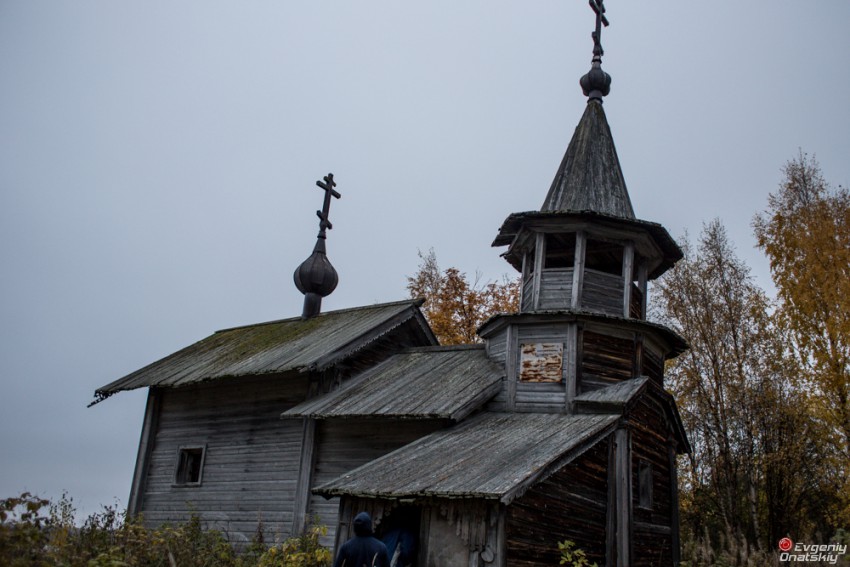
point(541, 362)
point(190, 466)
point(645, 484)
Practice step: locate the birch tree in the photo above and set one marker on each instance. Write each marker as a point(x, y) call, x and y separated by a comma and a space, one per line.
point(750, 475)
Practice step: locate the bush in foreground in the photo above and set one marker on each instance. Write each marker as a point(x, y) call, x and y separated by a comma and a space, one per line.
point(35, 532)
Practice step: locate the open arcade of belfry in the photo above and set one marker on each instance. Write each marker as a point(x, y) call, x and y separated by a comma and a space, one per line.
point(555, 427)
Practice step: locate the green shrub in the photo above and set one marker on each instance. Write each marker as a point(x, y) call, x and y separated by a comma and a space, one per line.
point(35, 532)
point(573, 556)
point(304, 551)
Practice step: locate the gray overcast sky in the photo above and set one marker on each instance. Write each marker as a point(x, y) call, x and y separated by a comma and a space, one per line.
point(158, 161)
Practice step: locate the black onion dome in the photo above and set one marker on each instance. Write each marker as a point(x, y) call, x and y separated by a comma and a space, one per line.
point(596, 83)
point(316, 274)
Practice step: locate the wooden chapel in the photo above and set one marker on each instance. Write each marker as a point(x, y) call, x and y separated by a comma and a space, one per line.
point(556, 427)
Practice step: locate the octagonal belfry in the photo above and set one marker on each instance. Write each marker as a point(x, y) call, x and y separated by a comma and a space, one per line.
point(585, 262)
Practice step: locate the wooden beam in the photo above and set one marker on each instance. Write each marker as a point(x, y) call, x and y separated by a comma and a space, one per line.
point(623, 489)
point(674, 503)
point(146, 442)
point(570, 367)
point(578, 269)
point(511, 374)
point(525, 276)
point(539, 259)
point(628, 276)
point(345, 519)
point(579, 356)
point(305, 477)
point(637, 361)
point(498, 535)
point(611, 508)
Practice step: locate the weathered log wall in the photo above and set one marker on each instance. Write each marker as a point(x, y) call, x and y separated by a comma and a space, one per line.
point(652, 526)
point(569, 505)
point(605, 360)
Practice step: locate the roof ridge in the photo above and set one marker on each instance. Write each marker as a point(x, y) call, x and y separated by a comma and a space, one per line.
point(416, 302)
point(442, 348)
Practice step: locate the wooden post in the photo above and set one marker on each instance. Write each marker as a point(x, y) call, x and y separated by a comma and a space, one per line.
point(628, 276)
point(511, 356)
point(146, 442)
point(424, 534)
point(305, 477)
point(623, 499)
point(570, 366)
point(611, 508)
point(637, 361)
point(642, 287)
point(674, 504)
point(539, 259)
point(525, 276)
point(344, 522)
point(578, 269)
point(579, 356)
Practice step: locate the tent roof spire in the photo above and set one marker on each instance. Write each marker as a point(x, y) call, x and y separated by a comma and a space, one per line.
point(589, 177)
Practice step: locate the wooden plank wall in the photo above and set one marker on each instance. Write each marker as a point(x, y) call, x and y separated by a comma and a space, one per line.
point(653, 540)
point(541, 397)
point(346, 444)
point(602, 293)
point(251, 462)
point(556, 288)
point(571, 504)
point(497, 346)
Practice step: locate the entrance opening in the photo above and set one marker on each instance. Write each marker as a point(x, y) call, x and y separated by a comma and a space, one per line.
point(400, 533)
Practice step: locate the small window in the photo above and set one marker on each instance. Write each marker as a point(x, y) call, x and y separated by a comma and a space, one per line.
point(190, 466)
point(644, 484)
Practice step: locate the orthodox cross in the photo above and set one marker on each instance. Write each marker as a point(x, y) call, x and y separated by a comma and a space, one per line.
point(601, 20)
point(328, 185)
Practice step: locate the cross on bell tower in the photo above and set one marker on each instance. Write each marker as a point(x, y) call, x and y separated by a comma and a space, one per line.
point(597, 83)
point(316, 277)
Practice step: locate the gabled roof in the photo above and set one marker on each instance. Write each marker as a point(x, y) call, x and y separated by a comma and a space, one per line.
point(278, 346)
point(618, 399)
point(492, 456)
point(590, 178)
point(614, 396)
point(419, 383)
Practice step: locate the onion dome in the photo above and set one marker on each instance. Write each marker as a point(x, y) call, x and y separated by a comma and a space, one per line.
point(316, 274)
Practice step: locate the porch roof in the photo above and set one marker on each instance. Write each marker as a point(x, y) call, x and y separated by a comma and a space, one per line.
point(493, 456)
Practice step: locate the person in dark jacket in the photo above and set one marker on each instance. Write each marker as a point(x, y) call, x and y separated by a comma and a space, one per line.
point(363, 550)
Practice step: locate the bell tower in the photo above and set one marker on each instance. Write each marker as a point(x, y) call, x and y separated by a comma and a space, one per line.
point(585, 261)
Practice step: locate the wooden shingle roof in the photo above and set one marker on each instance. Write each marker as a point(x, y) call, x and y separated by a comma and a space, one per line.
point(589, 177)
point(491, 456)
point(418, 383)
point(276, 346)
point(617, 398)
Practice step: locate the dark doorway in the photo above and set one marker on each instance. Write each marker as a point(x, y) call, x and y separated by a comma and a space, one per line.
point(400, 532)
